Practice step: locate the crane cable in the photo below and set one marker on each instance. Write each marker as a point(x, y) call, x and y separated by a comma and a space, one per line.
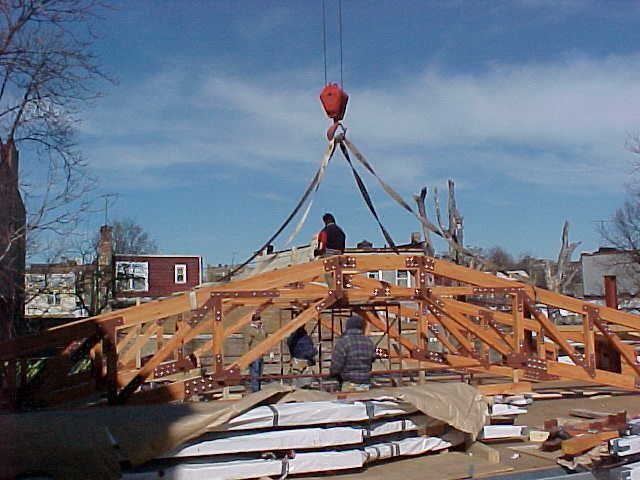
point(331, 148)
point(367, 198)
point(340, 38)
point(324, 41)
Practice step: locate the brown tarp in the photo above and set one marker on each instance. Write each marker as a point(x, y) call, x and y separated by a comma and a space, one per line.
point(457, 404)
point(79, 444)
point(89, 443)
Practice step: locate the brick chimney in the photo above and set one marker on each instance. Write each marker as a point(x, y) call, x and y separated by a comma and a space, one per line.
point(105, 247)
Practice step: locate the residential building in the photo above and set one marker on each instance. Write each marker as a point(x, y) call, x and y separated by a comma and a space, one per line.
point(61, 291)
point(623, 265)
point(140, 278)
point(12, 242)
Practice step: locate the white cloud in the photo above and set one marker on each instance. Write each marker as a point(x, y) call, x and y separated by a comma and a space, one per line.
point(543, 123)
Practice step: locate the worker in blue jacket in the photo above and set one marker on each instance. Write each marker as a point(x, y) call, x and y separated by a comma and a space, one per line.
point(303, 356)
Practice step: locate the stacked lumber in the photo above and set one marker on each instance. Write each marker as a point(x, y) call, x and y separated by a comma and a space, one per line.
point(303, 438)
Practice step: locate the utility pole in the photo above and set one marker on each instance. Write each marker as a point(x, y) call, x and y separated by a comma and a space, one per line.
point(107, 197)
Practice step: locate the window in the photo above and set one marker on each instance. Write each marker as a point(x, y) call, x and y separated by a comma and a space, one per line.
point(132, 276)
point(53, 299)
point(403, 279)
point(180, 273)
point(375, 275)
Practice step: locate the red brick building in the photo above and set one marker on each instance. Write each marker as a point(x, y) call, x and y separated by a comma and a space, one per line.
point(12, 242)
point(152, 276)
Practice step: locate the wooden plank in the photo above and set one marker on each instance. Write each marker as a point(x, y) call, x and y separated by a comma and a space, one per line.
point(564, 370)
point(481, 450)
point(517, 310)
point(585, 413)
point(582, 443)
point(589, 340)
point(505, 388)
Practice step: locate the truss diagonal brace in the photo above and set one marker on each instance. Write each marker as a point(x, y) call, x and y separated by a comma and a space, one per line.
point(286, 330)
point(551, 330)
point(594, 315)
point(487, 336)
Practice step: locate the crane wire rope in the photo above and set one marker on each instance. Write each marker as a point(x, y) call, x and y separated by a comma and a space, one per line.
point(324, 39)
point(340, 38)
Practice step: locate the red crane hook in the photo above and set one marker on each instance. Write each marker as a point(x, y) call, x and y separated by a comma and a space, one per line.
point(334, 101)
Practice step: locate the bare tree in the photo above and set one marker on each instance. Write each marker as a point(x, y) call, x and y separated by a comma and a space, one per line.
point(130, 238)
point(452, 234)
point(500, 258)
point(47, 75)
point(559, 276)
point(623, 231)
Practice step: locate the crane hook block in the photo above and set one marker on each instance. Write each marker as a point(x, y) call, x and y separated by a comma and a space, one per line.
point(334, 101)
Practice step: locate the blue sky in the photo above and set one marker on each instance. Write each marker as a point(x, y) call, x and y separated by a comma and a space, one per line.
point(214, 128)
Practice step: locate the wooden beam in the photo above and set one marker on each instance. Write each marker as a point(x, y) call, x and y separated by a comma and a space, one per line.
point(268, 343)
point(487, 336)
point(551, 330)
point(147, 332)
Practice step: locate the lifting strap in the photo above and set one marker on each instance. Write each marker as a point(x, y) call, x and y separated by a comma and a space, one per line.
point(396, 196)
point(314, 182)
point(367, 197)
point(321, 171)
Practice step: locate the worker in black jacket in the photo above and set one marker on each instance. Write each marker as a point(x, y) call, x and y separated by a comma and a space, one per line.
point(331, 239)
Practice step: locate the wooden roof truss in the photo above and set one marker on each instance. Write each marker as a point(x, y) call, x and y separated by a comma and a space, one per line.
point(452, 318)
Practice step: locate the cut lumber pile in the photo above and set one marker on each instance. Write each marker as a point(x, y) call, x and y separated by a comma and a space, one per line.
point(604, 441)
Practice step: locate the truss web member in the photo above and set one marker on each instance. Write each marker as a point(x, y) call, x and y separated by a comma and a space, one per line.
point(331, 239)
point(353, 357)
point(255, 334)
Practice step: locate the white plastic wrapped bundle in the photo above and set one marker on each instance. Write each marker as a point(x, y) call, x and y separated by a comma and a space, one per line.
point(304, 438)
point(316, 413)
point(245, 469)
point(293, 439)
point(505, 409)
point(410, 446)
point(306, 462)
